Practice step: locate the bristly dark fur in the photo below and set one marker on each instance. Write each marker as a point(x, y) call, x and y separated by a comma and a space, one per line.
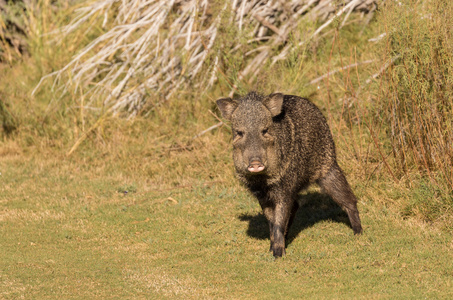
point(282, 144)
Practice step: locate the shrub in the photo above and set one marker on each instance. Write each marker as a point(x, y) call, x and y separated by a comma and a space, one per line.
point(415, 103)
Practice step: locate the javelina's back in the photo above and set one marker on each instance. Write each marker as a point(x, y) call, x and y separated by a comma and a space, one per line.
point(305, 144)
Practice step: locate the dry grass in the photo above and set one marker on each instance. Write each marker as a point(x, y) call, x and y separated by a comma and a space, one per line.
point(416, 100)
point(148, 51)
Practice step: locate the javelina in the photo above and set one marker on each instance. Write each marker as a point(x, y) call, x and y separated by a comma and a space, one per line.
point(281, 144)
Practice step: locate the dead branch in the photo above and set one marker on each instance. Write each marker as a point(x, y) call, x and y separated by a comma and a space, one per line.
point(341, 69)
point(159, 47)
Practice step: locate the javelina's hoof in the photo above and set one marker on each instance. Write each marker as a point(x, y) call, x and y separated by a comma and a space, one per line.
point(357, 229)
point(278, 251)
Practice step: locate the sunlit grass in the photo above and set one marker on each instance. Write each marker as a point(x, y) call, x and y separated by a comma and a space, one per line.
point(70, 229)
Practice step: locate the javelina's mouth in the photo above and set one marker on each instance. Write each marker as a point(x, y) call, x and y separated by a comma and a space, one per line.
point(255, 167)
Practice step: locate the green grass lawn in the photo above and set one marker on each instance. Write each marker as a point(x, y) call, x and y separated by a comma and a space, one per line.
point(72, 228)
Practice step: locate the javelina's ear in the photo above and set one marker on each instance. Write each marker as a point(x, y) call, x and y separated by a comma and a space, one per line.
point(227, 106)
point(274, 103)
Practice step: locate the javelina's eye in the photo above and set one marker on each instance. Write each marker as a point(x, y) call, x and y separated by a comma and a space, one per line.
point(239, 133)
point(265, 131)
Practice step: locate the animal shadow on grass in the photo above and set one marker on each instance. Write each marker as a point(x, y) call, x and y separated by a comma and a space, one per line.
point(315, 207)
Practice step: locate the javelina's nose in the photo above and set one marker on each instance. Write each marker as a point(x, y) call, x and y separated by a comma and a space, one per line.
point(255, 165)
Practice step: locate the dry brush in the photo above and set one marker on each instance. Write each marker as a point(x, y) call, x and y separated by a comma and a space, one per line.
point(159, 47)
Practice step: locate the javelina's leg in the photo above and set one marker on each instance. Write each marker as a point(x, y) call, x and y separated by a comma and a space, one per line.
point(292, 216)
point(268, 211)
point(271, 235)
point(336, 186)
point(281, 218)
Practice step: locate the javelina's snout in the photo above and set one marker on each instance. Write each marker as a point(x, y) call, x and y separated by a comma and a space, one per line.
point(255, 166)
